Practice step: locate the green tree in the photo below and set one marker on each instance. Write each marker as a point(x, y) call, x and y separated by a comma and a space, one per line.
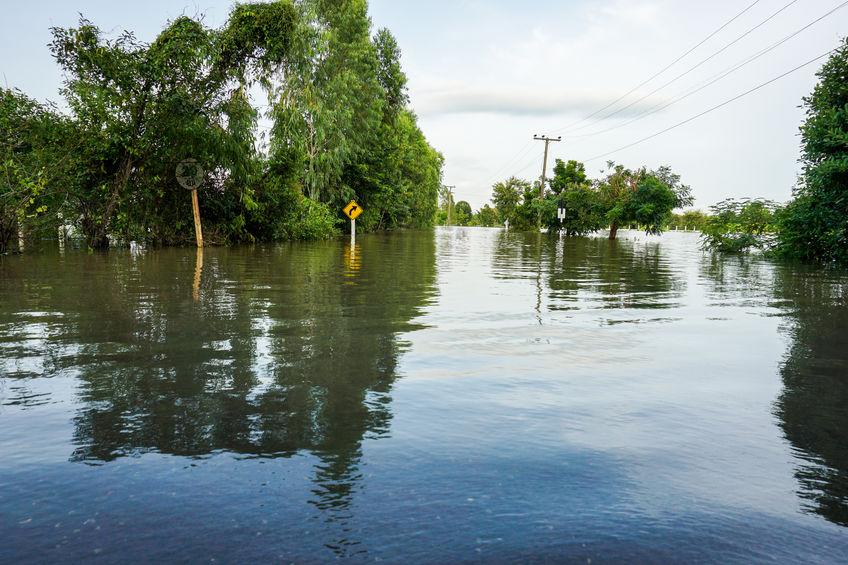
point(485, 217)
point(329, 102)
point(642, 198)
point(814, 226)
point(584, 211)
point(690, 219)
point(141, 108)
point(513, 199)
point(35, 148)
point(565, 174)
point(739, 225)
point(463, 213)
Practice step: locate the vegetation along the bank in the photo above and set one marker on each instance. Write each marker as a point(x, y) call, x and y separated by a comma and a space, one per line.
point(333, 94)
point(812, 227)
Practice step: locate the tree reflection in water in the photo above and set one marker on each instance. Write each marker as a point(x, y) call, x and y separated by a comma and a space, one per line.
point(286, 350)
point(813, 407)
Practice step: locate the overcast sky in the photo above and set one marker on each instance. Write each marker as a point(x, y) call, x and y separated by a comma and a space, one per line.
point(485, 76)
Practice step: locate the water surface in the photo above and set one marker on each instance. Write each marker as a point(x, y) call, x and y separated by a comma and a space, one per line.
point(457, 395)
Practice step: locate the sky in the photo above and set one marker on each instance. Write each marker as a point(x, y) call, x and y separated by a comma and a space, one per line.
point(485, 77)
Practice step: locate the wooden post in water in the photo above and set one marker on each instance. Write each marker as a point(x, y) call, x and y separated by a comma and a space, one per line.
point(190, 176)
point(196, 209)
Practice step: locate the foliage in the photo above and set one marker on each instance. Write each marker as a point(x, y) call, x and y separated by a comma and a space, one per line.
point(567, 174)
point(814, 226)
point(642, 198)
point(34, 151)
point(463, 213)
point(690, 219)
point(584, 211)
point(341, 131)
point(140, 109)
point(397, 177)
point(311, 220)
point(514, 201)
point(329, 102)
point(485, 217)
point(735, 226)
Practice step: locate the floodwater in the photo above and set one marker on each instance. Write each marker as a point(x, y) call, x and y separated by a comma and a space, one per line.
point(448, 396)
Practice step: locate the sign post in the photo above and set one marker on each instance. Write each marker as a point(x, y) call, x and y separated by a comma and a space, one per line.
point(190, 176)
point(352, 211)
point(561, 212)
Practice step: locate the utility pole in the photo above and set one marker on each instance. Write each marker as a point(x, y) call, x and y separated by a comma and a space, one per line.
point(547, 140)
point(449, 198)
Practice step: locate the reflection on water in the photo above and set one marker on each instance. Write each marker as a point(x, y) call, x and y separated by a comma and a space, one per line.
point(813, 407)
point(457, 395)
point(271, 357)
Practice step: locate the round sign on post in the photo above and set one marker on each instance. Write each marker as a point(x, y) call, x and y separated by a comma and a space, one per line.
point(190, 176)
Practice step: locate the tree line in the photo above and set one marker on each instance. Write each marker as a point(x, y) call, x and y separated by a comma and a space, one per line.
point(335, 95)
point(623, 197)
point(811, 227)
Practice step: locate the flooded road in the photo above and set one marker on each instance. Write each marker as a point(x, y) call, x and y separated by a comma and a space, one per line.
point(457, 395)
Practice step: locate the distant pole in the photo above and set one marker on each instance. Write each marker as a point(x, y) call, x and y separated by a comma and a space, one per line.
point(547, 140)
point(449, 191)
point(352, 232)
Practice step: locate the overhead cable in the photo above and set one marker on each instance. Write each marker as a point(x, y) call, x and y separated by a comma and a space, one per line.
point(661, 71)
point(716, 107)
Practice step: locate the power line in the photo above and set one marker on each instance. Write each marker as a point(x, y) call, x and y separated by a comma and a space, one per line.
point(681, 75)
point(664, 69)
point(716, 107)
point(521, 153)
point(712, 80)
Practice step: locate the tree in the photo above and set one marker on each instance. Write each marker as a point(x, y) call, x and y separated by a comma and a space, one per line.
point(565, 174)
point(739, 225)
point(35, 146)
point(641, 197)
point(329, 102)
point(463, 213)
point(584, 211)
point(690, 219)
point(814, 226)
point(507, 196)
point(485, 217)
point(141, 108)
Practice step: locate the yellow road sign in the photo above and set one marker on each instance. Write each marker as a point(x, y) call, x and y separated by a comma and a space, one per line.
point(352, 210)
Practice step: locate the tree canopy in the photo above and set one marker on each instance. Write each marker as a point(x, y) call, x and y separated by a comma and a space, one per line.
point(341, 130)
point(814, 226)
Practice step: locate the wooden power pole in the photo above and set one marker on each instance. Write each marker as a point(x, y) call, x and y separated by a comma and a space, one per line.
point(547, 140)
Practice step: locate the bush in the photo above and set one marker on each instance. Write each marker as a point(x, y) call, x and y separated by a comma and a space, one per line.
point(309, 220)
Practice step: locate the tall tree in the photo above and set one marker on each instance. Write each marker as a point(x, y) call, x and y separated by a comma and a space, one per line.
point(329, 102)
point(814, 226)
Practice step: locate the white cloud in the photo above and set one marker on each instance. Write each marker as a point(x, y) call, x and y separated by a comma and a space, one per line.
point(518, 101)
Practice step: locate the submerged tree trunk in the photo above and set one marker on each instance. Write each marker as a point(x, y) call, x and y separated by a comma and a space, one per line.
point(613, 230)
